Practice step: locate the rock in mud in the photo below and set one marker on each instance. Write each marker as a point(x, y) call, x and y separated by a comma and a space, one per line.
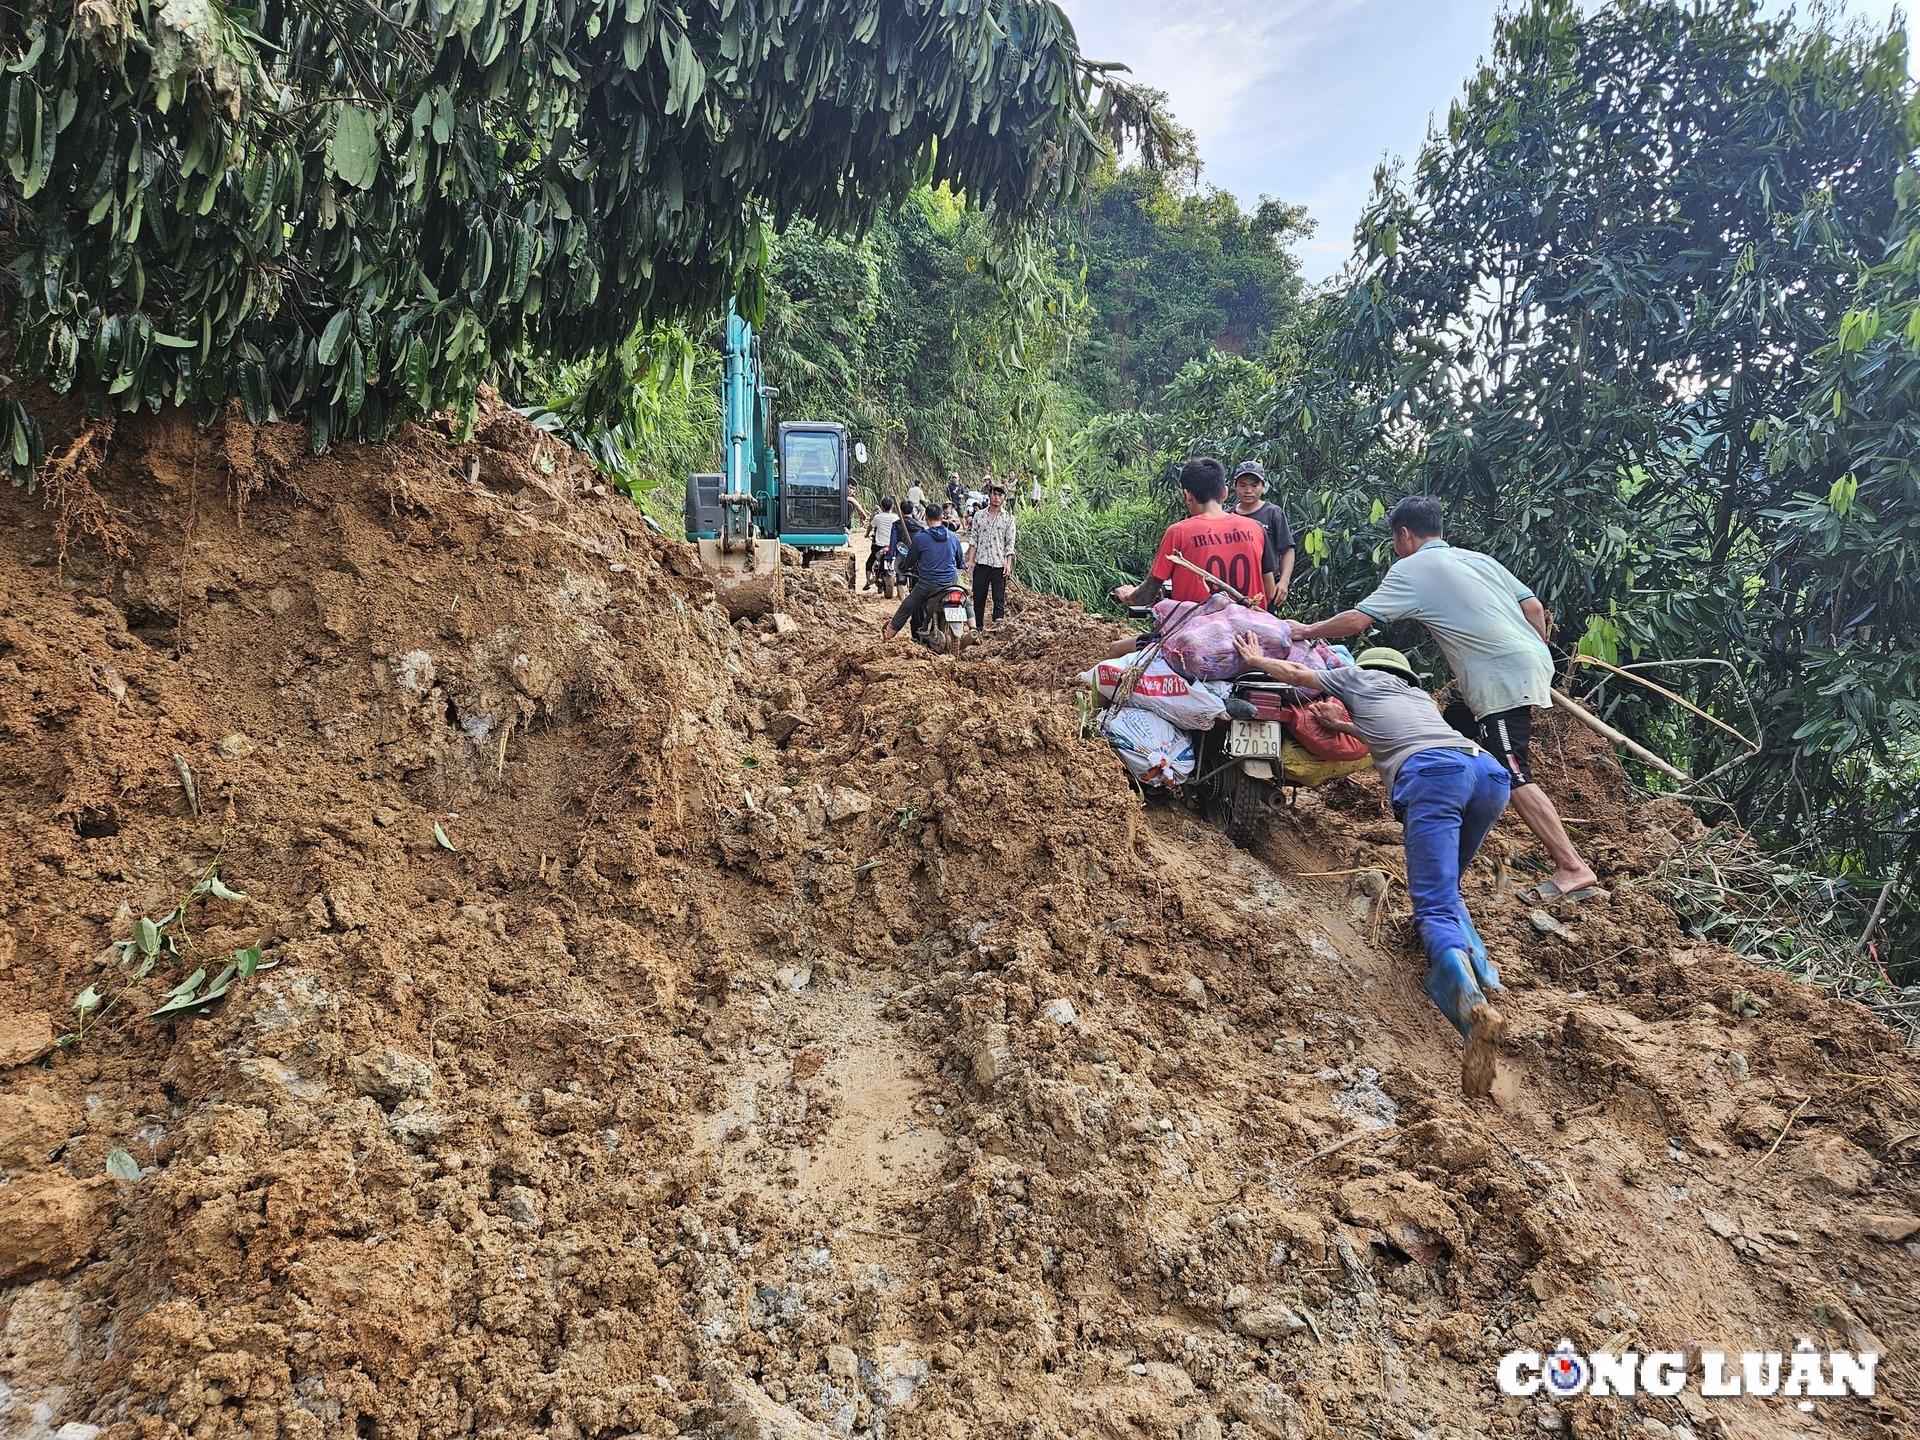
point(48, 1223)
point(992, 1055)
point(1891, 1229)
point(844, 804)
point(1843, 1166)
point(1270, 1411)
point(24, 1037)
point(390, 1075)
point(743, 1411)
point(1269, 1320)
point(235, 746)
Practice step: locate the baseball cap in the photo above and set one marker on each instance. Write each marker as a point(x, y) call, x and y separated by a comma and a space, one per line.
point(1251, 467)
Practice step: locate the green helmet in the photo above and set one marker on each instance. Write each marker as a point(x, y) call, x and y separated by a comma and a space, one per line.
point(1384, 657)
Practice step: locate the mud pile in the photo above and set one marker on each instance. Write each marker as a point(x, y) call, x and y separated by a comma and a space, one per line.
point(683, 1028)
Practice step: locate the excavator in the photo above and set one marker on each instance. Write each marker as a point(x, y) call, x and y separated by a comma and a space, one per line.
point(781, 485)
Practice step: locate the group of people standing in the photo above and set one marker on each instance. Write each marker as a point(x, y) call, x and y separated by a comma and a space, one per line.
point(936, 550)
point(1448, 774)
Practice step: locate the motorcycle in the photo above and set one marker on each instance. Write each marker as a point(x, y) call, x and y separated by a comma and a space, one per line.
point(948, 614)
point(941, 624)
point(883, 570)
point(1238, 763)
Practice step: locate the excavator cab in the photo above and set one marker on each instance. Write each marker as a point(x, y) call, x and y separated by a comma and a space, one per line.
point(814, 481)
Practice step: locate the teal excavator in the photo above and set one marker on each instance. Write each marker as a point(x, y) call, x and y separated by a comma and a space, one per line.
point(781, 485)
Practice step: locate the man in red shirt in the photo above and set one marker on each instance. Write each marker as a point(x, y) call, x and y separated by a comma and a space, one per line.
point(1227, 546)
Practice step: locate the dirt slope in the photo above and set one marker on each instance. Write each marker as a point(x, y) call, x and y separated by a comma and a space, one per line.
point(715, 1080)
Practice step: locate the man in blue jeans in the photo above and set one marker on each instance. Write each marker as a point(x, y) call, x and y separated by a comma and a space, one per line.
point(1447, 792)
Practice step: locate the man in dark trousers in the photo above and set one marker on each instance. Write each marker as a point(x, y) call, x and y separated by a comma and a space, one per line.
point(1250, 500)
point(993, 535)
point(934, 558)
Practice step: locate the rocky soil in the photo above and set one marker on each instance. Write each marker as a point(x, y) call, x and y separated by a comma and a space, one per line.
point(683, 1028)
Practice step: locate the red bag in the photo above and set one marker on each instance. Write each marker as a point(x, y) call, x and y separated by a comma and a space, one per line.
point(1315, 737)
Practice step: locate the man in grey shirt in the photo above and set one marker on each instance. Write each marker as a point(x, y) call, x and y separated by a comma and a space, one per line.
point(1492, 630)
point(1447, 793)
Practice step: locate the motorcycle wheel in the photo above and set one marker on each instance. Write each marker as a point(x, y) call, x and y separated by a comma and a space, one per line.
point(1246, 805)
point(940, 638)
point(887, 587)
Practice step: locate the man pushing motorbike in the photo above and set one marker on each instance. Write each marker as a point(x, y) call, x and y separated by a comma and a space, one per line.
point(1447, 793)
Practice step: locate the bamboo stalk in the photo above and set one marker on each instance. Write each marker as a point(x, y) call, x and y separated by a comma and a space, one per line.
point(1662, 690)
point(1607, 732)
point(1214, 580)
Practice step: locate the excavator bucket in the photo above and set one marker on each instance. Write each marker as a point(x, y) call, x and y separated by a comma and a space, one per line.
point(747, 582)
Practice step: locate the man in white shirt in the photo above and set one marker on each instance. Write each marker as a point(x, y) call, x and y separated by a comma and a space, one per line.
point(916, 497)
point(881, 528)
point(993, 535)
point(1492, 630)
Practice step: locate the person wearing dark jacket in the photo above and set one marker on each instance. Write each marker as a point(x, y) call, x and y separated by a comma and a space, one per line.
point(934, 559)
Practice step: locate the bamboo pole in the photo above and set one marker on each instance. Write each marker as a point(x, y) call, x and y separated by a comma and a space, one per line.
point(1605, 731)
point(1214, 580)
point(1662, 690)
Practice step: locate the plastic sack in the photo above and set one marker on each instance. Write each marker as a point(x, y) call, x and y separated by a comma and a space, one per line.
point(1199, 640)
point(1156, 686)
point(1306, 728)
point(1319, 655)
point(1154, 752)
point(1300, 766)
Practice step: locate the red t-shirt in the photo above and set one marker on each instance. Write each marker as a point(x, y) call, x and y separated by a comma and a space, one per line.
point(1228, 547)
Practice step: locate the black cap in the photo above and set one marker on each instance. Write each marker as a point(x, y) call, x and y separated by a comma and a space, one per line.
point(1250, 467)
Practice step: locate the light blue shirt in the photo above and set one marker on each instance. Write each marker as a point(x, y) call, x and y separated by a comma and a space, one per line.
point(1471, 603)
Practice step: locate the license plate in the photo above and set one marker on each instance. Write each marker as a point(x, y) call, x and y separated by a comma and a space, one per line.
point(957, 614)
point(1254, 737)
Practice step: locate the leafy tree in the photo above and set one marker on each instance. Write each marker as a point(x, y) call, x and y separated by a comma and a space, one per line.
point(1596, 294)
point(1845, 564)
point(1172, 275)
point(355, 212)
point(935, 336)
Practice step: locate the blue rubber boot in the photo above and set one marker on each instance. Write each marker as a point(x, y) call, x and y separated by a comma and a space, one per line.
point(1451, 984)
point(1483, 967)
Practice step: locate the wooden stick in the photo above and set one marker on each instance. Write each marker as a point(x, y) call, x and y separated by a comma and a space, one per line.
point(1781, 1136)
point(1662, 690)
point(1879, 909)
point(1605, 731)
point(1214, 580)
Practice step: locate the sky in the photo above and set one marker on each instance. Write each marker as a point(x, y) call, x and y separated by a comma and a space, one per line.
point(1301, 99)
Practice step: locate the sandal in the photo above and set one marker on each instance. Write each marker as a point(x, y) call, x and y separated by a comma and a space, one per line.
point(1546, 892)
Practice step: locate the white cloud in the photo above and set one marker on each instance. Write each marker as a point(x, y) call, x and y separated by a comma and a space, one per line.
point(1302, 98)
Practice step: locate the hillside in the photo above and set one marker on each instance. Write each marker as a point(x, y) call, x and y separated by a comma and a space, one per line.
point(663, 1032)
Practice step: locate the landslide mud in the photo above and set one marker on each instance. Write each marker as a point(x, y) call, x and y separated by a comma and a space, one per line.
point(716, 1080)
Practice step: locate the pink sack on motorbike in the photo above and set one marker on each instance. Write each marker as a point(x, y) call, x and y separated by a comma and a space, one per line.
point(1199, 640)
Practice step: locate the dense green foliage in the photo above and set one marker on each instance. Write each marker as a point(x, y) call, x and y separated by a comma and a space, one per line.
point(349, 215)
point(1620, 301)
point(1171, 275)
point(954, 342)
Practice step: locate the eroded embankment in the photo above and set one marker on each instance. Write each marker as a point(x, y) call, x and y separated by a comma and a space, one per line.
point(711, 1077)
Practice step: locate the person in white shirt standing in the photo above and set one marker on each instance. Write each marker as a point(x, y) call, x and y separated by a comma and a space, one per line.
point(1493, 630)
point(993, 536)
point(916, 497)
